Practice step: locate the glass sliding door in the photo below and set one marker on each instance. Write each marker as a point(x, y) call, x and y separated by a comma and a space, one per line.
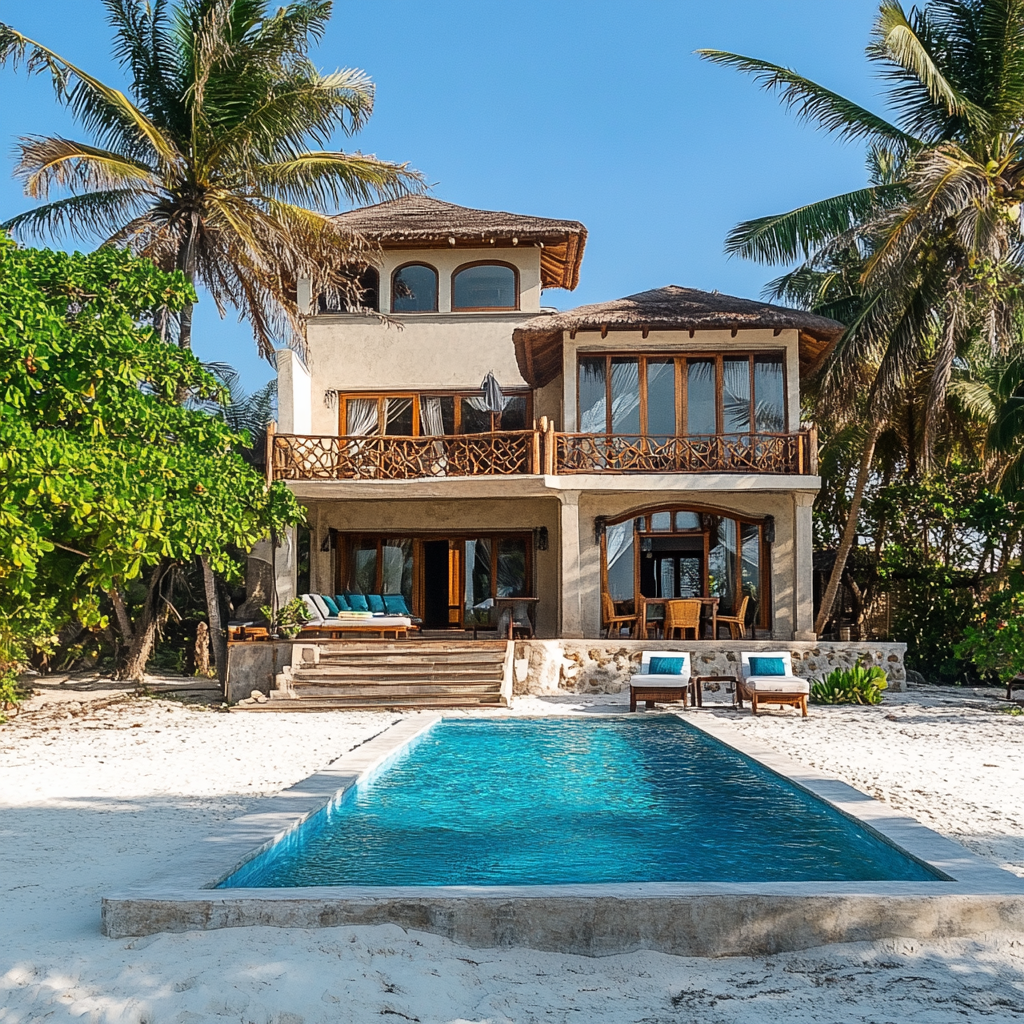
point(478, 599)
point(736, 395)
point(701, 397)
point(593, 397)
point(769, 395)
point(661, 399)
point(625, 396)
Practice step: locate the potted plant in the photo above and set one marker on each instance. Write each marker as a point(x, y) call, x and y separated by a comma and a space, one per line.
point(289, 620)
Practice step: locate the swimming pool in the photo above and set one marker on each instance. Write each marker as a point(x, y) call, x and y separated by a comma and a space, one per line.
point(477, 802)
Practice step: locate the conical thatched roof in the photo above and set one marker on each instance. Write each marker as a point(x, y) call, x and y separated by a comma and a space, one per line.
point(420, 221)
point(539, 341)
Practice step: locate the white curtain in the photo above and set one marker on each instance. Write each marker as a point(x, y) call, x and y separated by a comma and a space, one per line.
point(431, 420)
point(618, 541)
point(432, 424)
point(360, 416)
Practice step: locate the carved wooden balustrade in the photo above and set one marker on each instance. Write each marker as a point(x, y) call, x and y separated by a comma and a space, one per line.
point(502, 453)
point(714, 453)
point(519, 452)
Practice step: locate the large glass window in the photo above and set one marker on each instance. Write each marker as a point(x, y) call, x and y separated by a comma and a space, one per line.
point(484, 286)
point(680, 553)
point(478, 597)
point(681, 395)
point(701, 390)
point(770, 395)
point(430, 415)
point(512, 580)
point(414, 289)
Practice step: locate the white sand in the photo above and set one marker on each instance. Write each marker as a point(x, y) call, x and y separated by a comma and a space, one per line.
point(98, 800)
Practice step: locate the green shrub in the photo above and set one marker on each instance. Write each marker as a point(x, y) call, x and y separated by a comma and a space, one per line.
point(290, 617)
point(12, 693)
point(995, 644)
point(857, 685)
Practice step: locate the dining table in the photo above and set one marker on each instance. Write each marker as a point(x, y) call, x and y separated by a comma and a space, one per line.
point(709, 612)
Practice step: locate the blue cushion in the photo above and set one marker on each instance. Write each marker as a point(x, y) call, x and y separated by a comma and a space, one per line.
point(767, 667)
point(357, 603)
point(666, 666)
point(342, 602)
point(394, 604)
point(332, 605)
point(376, 603)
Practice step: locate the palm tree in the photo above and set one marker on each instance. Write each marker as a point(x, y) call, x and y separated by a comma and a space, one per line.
point(937, 228)
point(217, 163)
point(209, 167)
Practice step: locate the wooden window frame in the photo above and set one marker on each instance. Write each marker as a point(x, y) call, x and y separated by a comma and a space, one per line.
point(345, 541)
point(642, 531)
point(396, 272)
point(345, 397)
point(484, 309)
point(680, 360)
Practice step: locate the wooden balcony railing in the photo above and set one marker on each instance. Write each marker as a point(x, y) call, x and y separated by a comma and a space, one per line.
point(523, 452)
point(713, 453)
point(502, 453)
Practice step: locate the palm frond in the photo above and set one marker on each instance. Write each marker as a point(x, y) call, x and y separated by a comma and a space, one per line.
point(82, 217)
point(45, 162)
point(812, 102)
point(785, 237)
point(330, 179)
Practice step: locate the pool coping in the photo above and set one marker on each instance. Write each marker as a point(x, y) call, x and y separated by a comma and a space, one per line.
point(688, 918)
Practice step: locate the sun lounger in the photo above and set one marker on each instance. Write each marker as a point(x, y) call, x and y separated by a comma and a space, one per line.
point(663, 676)
point(320, 624)
point(767, 678)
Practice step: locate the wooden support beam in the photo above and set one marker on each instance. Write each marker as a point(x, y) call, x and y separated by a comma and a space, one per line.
point(604, 330)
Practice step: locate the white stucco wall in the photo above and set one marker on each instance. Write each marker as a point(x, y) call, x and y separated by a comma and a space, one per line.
point(680, 341)
point(294, 413)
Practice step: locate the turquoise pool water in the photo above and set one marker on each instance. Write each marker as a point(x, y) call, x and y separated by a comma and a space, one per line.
point(573, 800)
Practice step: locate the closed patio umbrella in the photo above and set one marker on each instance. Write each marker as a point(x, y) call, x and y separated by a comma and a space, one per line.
point(494, 400)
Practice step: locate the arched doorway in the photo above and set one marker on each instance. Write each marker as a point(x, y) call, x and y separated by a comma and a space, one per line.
point(686, 551)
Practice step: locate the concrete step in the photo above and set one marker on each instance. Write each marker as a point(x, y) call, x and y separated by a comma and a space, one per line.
point(393, 673)
point(316, 691)
point(371, 704)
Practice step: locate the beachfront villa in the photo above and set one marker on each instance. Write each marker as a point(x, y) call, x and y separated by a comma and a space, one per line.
point(495, 461)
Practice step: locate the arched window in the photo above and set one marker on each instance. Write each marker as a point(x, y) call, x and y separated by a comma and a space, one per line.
point(668, 553)
point(414, 289)
point(485, 286)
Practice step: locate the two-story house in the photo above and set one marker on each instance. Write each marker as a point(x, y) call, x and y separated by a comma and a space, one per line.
point(458, 443)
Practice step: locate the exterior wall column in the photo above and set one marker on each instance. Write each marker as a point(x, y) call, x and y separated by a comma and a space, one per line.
point(294, 394)
point(803, 567)
point(569, 544)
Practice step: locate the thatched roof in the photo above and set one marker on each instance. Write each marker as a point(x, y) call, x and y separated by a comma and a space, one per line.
point(419, 221)
point(539, 341)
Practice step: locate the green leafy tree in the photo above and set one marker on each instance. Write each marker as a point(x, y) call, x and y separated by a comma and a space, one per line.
point(216, 163)
point(105, 476)
point(938, 227)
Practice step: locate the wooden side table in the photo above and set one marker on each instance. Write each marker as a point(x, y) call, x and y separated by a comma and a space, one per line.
point(698, 687)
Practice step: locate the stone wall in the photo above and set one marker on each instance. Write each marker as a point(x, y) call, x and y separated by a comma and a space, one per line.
point(603, 666)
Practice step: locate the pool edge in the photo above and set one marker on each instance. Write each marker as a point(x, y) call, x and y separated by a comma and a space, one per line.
point(695, 919)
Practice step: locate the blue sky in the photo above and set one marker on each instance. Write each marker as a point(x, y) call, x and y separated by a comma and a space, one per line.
point(587, 109)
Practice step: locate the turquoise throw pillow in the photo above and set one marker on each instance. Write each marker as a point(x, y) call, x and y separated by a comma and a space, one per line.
point(376, 603)
point(332, 605)
point(342, 602)
point(767, 667)
point(394, 604)
point(357, 602)
point(667, 666)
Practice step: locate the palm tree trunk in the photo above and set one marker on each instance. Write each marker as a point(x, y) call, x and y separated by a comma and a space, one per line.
point(187, 265)
point(218, 639)
point(850, 530)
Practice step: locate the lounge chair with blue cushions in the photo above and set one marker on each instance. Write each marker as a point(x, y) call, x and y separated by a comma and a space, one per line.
point(767, 678)
point(664, 676)
point(322, 622)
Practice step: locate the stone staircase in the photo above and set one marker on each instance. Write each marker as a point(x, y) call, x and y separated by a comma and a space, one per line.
point(375, 674)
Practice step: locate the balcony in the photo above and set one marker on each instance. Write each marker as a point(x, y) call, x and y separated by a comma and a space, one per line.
point(532, 452)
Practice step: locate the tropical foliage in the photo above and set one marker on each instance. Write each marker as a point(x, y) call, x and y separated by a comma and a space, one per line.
point(857, 685)
point(216, 163)
point(924, 265)
point(106, 479)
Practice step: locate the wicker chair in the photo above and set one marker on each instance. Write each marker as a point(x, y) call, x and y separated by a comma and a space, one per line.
point(615, 622)
point(736, 623)
point(681, 617)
